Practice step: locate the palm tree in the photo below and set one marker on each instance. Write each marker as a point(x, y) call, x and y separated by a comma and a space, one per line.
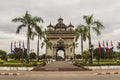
point(40, 34)
point(85, 56)
point(30, 22)
point(81, 31)
point(96, 26)
point(74, 45)
point(47, 43)
point(118, 46)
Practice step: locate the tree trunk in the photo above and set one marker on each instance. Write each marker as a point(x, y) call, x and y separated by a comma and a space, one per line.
point(81, 45)
point(38, 49)
point(89, 38)
point(90, 61)
point(28, 45)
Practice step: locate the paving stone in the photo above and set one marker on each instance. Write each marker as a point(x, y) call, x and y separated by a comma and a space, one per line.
point(60, 66)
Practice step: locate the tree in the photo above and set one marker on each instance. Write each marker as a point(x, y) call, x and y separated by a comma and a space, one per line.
point(3, 55)
point(30, 22)
point(47, 43)
point(85, 56)
point(96, 26)
point(32, 55)
point(81, 31)
point(59, 58)
point(78, 56)
point(42, 56)
point(11, 55)
point(118, 46)
point(40, 36)
point(74, 45)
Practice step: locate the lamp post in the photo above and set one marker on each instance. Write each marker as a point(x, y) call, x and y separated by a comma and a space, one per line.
point(91, 53)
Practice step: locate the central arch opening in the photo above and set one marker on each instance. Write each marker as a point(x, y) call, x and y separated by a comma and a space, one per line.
point(60, 54)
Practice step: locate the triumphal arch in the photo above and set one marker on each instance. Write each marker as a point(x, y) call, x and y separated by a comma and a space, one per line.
point(62, 37)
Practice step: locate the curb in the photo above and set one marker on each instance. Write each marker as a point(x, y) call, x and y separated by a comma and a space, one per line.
point(10, 74)
point(107, 73)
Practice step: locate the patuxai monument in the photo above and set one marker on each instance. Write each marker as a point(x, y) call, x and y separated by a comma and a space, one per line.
point(61, 36)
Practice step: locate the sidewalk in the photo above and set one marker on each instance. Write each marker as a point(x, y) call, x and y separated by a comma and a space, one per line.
point(63, 73)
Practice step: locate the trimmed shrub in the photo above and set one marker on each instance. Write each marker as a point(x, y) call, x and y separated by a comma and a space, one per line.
point(14, 61)
point(1, 61)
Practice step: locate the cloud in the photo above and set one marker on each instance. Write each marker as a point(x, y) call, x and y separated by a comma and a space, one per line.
point(106, 11)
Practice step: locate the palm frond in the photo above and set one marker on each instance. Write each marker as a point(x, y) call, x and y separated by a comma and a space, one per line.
point(97, 30)
point(49, 45)
point(38, 19)
point(28, 18)
point(88, 19)
point(47, 42)
point(33, 34)
point(74, 44)
point(98, 24)
point(77, 37)
point(22, 20)
point(20, 27)
point(42, 44)
point(81, 31)
point(118, 46)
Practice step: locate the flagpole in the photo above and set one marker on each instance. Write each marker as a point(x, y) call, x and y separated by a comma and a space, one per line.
point(104, 49)
point(23, 50)
point(11, 46)
point(99, 53)
point(14, 49)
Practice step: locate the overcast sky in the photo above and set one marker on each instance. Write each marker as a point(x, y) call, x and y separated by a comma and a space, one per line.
point(106, 11)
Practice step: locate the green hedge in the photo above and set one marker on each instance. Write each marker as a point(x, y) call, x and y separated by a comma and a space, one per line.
point(14, 61)
point(105, 60)
point(108, 64)
point(95, 63)
point(16, 64)
point(1, 62)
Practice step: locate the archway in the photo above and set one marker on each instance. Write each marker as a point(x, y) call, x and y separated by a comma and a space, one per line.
point(60, 54)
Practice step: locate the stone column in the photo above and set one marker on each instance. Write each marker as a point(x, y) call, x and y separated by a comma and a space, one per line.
point(54, 53)
point(73, 53)
point(66, 52)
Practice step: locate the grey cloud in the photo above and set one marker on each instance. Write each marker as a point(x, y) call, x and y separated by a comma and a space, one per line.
point(107, 11)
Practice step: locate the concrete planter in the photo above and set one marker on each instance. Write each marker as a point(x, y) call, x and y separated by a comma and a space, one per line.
point(17, 68)
point(103, 67)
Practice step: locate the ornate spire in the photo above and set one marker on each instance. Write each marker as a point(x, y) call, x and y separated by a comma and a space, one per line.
point(50, 25)
point(60, 19)
point(70, 25)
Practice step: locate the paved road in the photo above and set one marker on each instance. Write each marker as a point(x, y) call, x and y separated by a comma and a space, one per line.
point(66, 75)
point(61, 77)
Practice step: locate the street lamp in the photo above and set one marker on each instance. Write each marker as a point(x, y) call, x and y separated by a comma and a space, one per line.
point(91, 53)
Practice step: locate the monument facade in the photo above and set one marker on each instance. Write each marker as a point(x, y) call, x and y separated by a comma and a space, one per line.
point(62, 38)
